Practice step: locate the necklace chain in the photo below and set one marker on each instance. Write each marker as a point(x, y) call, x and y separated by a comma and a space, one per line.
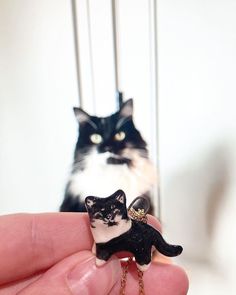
point(124, 278)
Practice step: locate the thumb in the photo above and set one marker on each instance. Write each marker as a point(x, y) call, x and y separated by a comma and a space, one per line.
point(77, 275)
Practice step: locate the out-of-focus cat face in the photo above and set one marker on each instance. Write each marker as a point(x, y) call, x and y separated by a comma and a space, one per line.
point(112, 134)
point(107, 211)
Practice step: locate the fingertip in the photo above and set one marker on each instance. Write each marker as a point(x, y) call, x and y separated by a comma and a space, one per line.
point(183, 278)
point(76, 275)
point(167, 277)
point(88, 278)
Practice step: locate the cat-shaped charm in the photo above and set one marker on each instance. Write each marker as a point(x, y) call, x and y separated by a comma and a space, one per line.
point(114, 231)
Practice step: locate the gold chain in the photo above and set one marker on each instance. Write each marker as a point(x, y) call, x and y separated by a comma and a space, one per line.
point(138, 215)
point(141, 216)
point(124, 278)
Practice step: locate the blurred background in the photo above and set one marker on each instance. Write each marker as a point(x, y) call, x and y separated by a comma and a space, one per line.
point(177, 60)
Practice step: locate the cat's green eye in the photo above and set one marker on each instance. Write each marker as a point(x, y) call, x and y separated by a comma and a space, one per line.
point(120, 136)
point(96, 138)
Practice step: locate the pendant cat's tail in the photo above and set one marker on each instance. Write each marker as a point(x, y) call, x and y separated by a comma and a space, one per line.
point(164, 248)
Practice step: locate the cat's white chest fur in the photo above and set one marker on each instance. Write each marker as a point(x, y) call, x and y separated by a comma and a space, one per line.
point(102, 179)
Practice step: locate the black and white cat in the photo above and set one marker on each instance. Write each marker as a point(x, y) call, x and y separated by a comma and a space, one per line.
point(114, 231)
point(110, 154)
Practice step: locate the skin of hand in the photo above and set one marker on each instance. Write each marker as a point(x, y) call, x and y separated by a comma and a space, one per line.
point(50, 253)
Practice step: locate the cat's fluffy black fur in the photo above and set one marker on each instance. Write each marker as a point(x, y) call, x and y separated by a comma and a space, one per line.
point(137, 239)
point(119, 153)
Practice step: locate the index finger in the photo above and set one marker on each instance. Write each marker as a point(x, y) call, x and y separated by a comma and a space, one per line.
point(33, 242)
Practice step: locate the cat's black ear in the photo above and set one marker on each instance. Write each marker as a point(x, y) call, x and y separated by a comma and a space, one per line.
point(89, 202)
point(120, 196)
point(126, 110)
point(81, 115)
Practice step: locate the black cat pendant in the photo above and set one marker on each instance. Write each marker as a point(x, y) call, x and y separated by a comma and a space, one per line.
point(114, 230)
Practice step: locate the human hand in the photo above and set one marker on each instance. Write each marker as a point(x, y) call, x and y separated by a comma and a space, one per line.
point(51, 254)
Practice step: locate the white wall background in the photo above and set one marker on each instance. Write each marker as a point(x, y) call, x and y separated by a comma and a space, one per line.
point(197, 135)
point(197, 126)
point(37, 91)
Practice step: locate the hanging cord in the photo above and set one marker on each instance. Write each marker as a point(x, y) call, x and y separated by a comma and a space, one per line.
point(91, 54)
point(119, 97)
point(115, 41)
point(76, 50)
point(153, 61)
point(119, 94)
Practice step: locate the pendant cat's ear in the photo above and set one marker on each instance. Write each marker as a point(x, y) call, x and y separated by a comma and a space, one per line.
point(120, 196)
point(126, 110)
point(81, 115)
point(89, 202)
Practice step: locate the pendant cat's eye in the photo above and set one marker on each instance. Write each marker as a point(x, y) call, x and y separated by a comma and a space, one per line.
point(96, 138)
point(120, 136)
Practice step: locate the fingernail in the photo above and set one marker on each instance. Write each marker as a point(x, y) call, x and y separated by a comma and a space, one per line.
point(88, 279)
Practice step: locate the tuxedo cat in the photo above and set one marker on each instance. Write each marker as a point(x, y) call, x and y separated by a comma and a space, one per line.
point(110, 154)
point(114, 231)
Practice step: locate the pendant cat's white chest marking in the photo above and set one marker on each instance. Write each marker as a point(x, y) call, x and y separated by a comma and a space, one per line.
point(103, 233)
point(102, 179)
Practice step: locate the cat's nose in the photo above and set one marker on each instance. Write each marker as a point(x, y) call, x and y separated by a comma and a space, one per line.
point(103, 149)
point(107, 148)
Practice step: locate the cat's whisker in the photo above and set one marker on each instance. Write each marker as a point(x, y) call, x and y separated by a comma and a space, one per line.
point(122, 122)
point(92, 124)
point(122, 156)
